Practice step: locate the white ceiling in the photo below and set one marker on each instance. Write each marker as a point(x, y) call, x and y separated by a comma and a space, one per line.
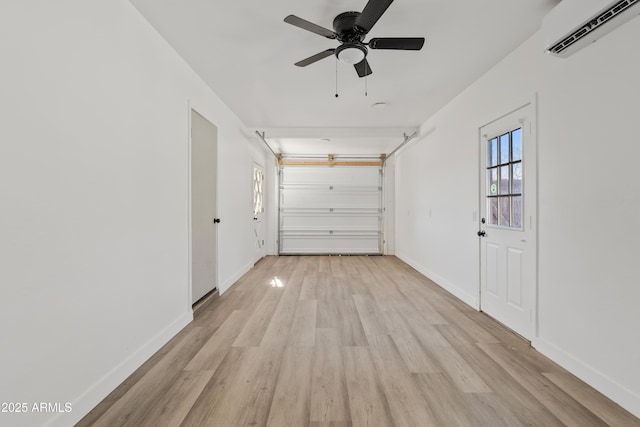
point(245, 52)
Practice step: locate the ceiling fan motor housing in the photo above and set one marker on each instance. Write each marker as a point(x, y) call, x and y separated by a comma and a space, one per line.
point(345, 27)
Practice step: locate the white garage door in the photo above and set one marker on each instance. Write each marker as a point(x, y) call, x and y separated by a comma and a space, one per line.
point(330, 210)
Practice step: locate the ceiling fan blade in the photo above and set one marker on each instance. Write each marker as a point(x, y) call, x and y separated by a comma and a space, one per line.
point(309, 26)
point(371, 13)
point(363, 68)
point(315, 58)
point(400, 43)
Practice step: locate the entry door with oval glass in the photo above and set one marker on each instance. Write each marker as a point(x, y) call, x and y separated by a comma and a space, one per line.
point(259, 249)
point(508, 242)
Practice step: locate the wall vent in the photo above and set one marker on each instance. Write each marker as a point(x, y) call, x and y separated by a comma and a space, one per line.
point(568, 31)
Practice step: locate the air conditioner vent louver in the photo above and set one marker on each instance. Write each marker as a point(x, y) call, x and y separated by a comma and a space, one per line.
point(587, 28)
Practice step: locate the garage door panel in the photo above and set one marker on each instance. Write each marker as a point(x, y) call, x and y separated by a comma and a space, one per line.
point(334, 210)
point(329, 200)
point(322, 175)
point(345, 212)
point(330, 222)
point(337, 244)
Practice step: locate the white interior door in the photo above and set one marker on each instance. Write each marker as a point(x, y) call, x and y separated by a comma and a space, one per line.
point(258, 212)
point(330, 210)
point(508, 208)
point(203, 206)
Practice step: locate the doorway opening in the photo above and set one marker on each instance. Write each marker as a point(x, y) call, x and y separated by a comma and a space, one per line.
point(203, 207)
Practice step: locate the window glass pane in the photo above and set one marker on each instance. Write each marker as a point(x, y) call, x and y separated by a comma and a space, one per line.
point(492, 182)
point(516, 145)
point(258, 179)
point(504, 179)
point(516, 178)
point(492, 206)
point(492, 152)
point(504, 148)
point(505, 211)
point(516, 211)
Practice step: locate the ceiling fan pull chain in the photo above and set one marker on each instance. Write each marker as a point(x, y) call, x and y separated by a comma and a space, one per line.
point(336, 76)
point(366, 79)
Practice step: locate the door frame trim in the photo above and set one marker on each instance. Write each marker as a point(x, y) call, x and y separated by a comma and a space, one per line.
point(531, 101)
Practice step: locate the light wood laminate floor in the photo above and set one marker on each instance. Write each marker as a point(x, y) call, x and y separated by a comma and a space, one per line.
point(349, 341)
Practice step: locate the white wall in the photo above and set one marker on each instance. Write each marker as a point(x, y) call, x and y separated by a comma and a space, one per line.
point(93, 194)
point(588, 203)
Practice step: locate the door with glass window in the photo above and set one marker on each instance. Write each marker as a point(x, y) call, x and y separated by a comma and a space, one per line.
point(258, 212)
point(507, 212)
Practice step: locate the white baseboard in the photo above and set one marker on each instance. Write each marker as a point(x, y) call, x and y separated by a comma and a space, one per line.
point(596, 379)
point(441, 281)
point(233, 279)
point(84, 403)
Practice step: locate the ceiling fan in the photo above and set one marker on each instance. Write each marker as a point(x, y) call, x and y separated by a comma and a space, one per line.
point(350, 29)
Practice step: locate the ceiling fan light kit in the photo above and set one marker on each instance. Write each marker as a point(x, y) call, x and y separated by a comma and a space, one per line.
point(351, 53)
point(350, 29)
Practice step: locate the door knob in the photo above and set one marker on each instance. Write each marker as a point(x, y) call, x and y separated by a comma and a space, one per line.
point(216, 220)
point(482, 233)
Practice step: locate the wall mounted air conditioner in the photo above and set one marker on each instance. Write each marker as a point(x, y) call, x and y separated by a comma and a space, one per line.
point(573, 24)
